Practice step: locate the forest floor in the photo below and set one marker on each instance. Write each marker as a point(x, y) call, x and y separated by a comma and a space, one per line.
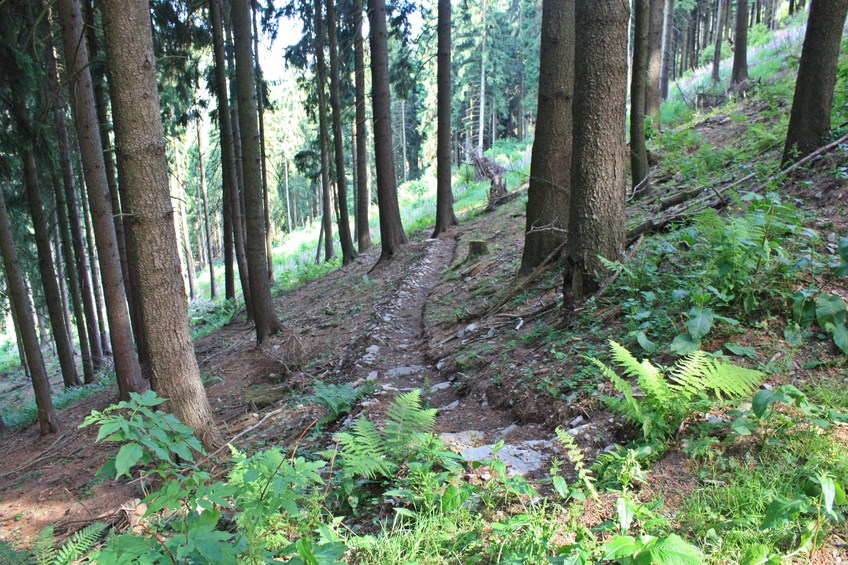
point(497, 357)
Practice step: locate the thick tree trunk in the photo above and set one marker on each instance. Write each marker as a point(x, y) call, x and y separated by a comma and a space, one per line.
point(320, 82)
point(205, 201)
point(655, 41)
point(363, 195)
point(348, 251)
point(638, 87)
point(85, 114)
point(229, 168)
point(740, 49)
point(598, 178)
point(264, 316)
point(52, 295)
point(391, 229)
point(722, 5)
point(141, 150)
point(48, 421)
point(809, 121)
point(445, 216)
point(549, 194)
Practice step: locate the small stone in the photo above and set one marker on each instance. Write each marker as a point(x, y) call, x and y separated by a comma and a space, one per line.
point(506, 431)
point(610, 447)
point(452, 406)
point(574, 432)
point(372, 376)
point(372, 349)
point(403, 371)
point(440, 386)
point(576, 421)
point(440, 364)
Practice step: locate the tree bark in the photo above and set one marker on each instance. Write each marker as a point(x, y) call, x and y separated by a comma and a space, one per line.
point(265, 319)
point(655, 41)
point(809, 121)
point(363, 196)
point(96, 279)
point(549, 193)
point(445, 216)
point(48, 421)
point(348, 251)
point(139, 137)
point(229, 169)
point(85, 114)
point(391, 229)
point(638, 87)
point(598, 175)
point(668, 53)
point(482, 126)
point(740, 49)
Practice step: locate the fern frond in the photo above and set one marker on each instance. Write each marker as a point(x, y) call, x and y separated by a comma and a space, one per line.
point(406, 417)
point(44, 548)
point(363, 452)
point(80, 544)
point(697, 374)
point(647, 376)
point(627, 406)
point(687, 376)
point(575, 455)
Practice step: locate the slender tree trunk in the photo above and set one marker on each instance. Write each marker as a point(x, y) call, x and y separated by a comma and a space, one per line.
point(667, 49)
point(638, 87)
point(809, 121)
point(321, 79)
point(549, 194)
point(229, 167)
point(96, 278)
point(82, 95)
point(391, 229)
point(62, 275)
point(174, 372)
point(405, 162)
point(205, 201)
point(289, 224)
point(719, 37)
point(348, 251)
point(482, 126)
point(19, 340)
point(48, 274)
point(260, 103)
point(186, 242)
point(445, 216)
point(740, 49)
point(655, 41)
point(48, 421)
point(598, 177)
point(363, 196)
point(264, 316)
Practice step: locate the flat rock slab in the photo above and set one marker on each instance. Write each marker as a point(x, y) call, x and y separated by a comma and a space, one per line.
point(403, 371)
point(520, 459)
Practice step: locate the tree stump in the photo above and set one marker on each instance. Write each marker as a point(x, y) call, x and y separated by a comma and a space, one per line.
point(476, 249)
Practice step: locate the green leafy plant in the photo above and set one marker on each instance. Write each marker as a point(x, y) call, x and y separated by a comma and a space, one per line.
point(667, 399)
point(73, 550)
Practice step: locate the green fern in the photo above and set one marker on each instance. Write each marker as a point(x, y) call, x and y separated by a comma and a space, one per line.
point(73, 550)
point(337, 399)
point(369, 452)
point(575, 455)
point(669, 399)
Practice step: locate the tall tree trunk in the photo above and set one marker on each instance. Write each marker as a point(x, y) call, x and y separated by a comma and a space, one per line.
point(549, 195)
point(186, 241)
point(809, 121)
point(205, 201)
point(667, 48)
point(48, 421)
point(598, 177)
point(638, 87)
point(48, 274)
point(61, 273)
point(445, 216)
point(391, 229)
point(82, 95)
point(722, 5)
point(655, 41)
point(348, 251)
point(72, 267)
point(404, 161)
point(482, 126)
point(260, 104)
point(96, 278)
point(229, 168)
point(740, 50)
point(265, 318)
point(321, 79)
point(363, 196)
point(174, 372)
